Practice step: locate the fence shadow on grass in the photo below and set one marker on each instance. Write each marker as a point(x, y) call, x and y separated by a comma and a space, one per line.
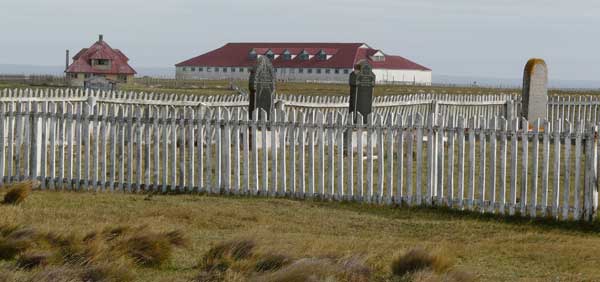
point(447, 214)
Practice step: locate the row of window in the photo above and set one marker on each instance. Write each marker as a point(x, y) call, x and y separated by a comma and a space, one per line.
point(300, 70)
point(286, 55)
point(210, 69)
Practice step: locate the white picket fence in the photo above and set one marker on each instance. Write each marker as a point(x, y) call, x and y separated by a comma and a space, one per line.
point(507, 105)
point(574, 108)
point(488, 165)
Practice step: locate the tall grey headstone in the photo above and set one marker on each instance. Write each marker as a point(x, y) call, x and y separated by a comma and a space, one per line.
point(535, 90)
point(261, 86)
point(362, 82)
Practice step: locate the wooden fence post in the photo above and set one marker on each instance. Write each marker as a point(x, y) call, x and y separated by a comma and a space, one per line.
point(591, 171)
point(33, 121)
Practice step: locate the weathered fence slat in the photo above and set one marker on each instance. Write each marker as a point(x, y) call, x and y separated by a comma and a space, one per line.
point(102, 146)
point(535, 167)
point(525, 165)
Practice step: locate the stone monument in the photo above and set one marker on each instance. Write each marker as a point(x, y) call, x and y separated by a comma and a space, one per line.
point(262, 86)
point(362, 81)
point(535, 90)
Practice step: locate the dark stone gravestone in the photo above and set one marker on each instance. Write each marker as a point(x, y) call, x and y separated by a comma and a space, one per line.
point(99, 83)
point(535, 90)
point(262, 86)
point(362, 81)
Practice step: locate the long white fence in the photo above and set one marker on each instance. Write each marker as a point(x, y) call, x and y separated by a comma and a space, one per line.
point(488, 165)
point(574, 108)
point(507, 105)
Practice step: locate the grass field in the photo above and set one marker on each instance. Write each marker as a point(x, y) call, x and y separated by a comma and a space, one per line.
point(492, 248)
point(222, 87)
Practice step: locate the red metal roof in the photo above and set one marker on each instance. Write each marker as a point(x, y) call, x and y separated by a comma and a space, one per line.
point(342, 55)
point(100, 50)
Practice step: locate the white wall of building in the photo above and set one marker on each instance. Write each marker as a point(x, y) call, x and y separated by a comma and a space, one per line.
point(312, 74)
point(402, 76)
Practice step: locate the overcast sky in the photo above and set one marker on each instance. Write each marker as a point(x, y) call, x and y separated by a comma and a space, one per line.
point(460, 37)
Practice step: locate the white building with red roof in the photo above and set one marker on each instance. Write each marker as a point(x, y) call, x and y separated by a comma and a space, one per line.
point(314, 62)
point(100, 60)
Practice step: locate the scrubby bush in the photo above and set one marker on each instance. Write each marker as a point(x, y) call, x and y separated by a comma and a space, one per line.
point(177, 238)
point(418, 259)
point(18, 192)
point(220, 256)
point(148, 250)
point(105, 273)
point(271, 262)
point(32, 260)
point(10, 248)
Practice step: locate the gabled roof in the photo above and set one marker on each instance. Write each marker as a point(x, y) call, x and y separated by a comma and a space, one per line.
point(340, 55)
point(100, 50)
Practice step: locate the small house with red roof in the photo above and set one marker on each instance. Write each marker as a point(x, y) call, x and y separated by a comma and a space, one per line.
point(100, 60)
point(303, 62)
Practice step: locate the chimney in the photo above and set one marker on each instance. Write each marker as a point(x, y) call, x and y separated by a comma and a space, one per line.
point(100, 37)
point(67, 60)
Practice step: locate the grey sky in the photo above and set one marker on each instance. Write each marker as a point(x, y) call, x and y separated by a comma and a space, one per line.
point(460, 37)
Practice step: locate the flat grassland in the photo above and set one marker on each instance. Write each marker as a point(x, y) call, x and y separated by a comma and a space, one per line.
point(493, 248)
point(223, 87)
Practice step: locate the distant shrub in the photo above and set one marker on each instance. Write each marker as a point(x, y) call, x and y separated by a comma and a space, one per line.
point(18, 192)
point(419, 259)
point(221, 255)
point(271, 262)
point(105, 273)
point(320, 269)
point(14, 240)
point(114, 232)
point(10, 248)
point(148, 250)
point(77, 252)
point(177, 238)
point(32, 260)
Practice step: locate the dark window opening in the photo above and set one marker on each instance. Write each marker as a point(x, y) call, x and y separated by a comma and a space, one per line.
point(252, 55)
point(304, 56)
point(322, 56)
point(270, 54)
point(287, 55)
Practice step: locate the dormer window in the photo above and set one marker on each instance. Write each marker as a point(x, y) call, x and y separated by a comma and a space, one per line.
point(270, 55)
point(322, 56)
point(378, 57)
point(102, 62)
point(287, 55)
point(303, 55)
point(252, 55)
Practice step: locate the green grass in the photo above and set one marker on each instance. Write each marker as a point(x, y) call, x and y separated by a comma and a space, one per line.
point(493, 248)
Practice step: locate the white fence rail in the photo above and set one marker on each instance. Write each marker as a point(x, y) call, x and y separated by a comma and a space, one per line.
point(507, 105)
point(492, 166)
point(574, 108)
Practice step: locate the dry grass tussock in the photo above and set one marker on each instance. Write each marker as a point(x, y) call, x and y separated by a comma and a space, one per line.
point(236, 261)
point(320, 269)
point(419, 259)
point(108, 255)
point(296, 229)
point(418, 265)
point(18, 192)
point(220, 257)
